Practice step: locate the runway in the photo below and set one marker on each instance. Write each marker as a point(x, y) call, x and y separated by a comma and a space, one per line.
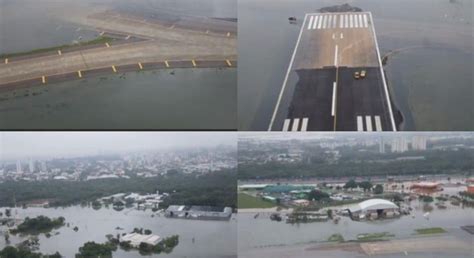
point(320, 91)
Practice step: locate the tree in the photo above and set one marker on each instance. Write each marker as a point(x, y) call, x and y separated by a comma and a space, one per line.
point(366, 185)
point(317, 195)
point(92, 249)
point(350, 184)
point(147, 232)
point(378, 189)
point(8, 212)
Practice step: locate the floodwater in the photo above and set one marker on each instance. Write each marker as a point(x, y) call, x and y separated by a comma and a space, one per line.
point(264, 233)
point(429, 75)
point(186, 99)
point(211, 238)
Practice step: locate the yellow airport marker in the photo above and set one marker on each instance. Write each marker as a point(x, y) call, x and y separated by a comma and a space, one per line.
point(228, 62)
point(167, 64)
point(6, 60)
point(113, 68)
point(228, 34)
point(107, 44)
point(79, 73)
point(194, 63)
point(140, 65)
point(43, 79)
point(59, 52)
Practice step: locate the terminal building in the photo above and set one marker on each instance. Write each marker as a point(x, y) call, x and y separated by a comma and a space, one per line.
point(373, 209)
point(198, 212)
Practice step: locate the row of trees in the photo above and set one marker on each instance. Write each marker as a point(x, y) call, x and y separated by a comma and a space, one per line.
point(40, 224)
point(366, 185)
point(14, 252)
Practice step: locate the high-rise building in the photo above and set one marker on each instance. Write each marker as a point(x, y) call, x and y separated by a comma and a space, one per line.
point(31, 166)
point(18, 167)
point(418, 143)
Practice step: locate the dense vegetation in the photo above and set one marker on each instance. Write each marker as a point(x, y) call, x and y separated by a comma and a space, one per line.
point(95, 250)
point(363, 164)
point(40, 224)
point(217, 189)
point(13, 252)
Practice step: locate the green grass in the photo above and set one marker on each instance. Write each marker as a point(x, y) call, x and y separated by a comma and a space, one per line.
point(336, 238)
point(373, 236)
point(246, 201)
point(98, 40)
point(425, 231)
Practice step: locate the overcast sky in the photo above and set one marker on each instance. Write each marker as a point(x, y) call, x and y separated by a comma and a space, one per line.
point(16, 145)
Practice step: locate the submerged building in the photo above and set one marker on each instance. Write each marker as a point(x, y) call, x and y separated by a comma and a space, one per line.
point(135, 239)
point(374, 209)
point(198, 212)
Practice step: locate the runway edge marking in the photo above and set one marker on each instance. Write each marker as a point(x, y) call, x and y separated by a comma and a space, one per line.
point(389, 103)
point(287, 74)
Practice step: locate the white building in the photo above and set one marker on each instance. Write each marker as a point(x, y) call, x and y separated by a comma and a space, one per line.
point(399, 145)
point(135, 239)
point(374, 208)
point(418, 143)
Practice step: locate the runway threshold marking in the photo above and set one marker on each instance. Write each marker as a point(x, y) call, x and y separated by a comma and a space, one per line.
point(167, 64)
point(6, 60)
point(296, 123)
point(378, 124)
point(114, 69)
point(140, 66)
point(360, 124)
point(194, 63)
point(286, 125)
point(43, 79)
point(228, 62)
point(59, 52)
point(304, 124)
point(368, 123)
point(79, 73)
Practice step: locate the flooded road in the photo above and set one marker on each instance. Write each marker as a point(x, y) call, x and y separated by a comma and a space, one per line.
point(211, 238)
point(429, 76)
point(174, 99)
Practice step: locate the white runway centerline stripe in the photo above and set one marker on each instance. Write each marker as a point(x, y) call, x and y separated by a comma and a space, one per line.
point(368, 122)
point(365, 21)
point(341, 21)
point(304, 125)
point(335, 55)
point(360, 124)
point(351, 21)
point(356, 21)
point(329, 21)
point(320, 22)
point(315, 23)
point(296, 122)
point(378, 124)
point(333, 106)
point(310, 22)
point(286, 125)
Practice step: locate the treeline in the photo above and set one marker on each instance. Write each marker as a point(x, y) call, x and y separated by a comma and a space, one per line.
point(435, 162)
point(217, 188)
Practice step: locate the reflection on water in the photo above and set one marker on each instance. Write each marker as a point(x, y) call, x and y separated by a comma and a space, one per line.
point(211, 238)
point(141, 100)
point(267, 39)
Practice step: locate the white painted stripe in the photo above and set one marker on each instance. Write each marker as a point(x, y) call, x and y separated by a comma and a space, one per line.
point(304, 125)
point(333, 106)
point(320, 22)
point(389, 104)
point(315, 22)
point(283, 86)
point(325, 18)
point(368, 123)
point(360, 21)
point(334, 23)
point(310, 22)
point(378, 124)
point(351, 21)
point(329, 21)
point(333, 36)
point(342, 35)
point(356, 21)
point(341, 21)
point(335, 55)
point(346, 18)
point(286, 125)
point(365, 21)
point(296, 122)
point(360, 124)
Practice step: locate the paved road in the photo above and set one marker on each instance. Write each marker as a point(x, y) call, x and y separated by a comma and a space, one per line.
point(320, 93)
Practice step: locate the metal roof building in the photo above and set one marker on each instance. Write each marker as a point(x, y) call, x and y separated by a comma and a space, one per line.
point(372, 205)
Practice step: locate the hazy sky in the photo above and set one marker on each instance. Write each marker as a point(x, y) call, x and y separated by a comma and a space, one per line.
point(15, 145)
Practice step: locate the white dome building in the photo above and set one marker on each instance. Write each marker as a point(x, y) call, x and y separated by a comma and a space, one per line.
point(374, 208)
